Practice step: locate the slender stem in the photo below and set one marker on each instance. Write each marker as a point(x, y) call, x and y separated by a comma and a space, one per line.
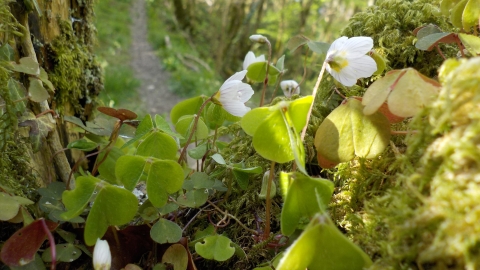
point(194, 127)
point(51, 241)
point(276, 86)
point(440, 52)
point(268, 202)
point(304, 68)
point(265, 82)
point(232, 217)
point(314, 94)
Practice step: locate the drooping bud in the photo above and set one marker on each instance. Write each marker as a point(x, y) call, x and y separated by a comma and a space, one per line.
point(258, 38)
point(102, 258)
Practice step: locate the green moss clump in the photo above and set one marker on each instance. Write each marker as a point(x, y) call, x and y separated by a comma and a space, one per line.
point(76, 74)
point(391, 22)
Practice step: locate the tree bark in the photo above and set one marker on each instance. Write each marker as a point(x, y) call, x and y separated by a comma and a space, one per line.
point(60, 39)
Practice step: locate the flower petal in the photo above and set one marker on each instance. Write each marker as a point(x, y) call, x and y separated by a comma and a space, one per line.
point(236, 108)
point(337, 45)
point(249, 59)
point(358, 45)
point(261, 58)
point(361, 67)
point(237, 76)
point(245, 92)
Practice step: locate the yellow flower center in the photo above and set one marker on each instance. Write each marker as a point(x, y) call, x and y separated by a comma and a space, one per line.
point(338, 62)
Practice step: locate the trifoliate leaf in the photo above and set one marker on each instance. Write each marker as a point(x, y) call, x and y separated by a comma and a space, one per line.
point(158, 145)
point(322, 246)
point(306, 196)
point(165, 231)
point(165, 177)
point(347, 132)
point(193, 198)
point(129, 170)
point(215, 247)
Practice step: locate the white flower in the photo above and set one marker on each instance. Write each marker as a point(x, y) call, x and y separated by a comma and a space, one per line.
point(290, 87)
point(258, 38)
point(347, 60)
point(250, 59)
point(234, 93)
point(102, 259)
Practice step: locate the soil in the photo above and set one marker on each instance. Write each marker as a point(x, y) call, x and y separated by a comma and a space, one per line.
point(154, 91)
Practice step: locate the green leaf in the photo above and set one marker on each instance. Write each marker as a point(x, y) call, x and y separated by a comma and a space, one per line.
point(185, 124)
point(44, 78)
point(446, 6)
point(148, 212)
point(280, 63)
point(164, 126)
point(347, 132)
point(167, 208)
point(193, 198)
point(215, 116)
point(306, 196)
point(17, 92)
point(215, 247)
point(322, 246)
point(219, 159)
point(27, 65)
point(256, 72)
point(186, 107)
point(65, 253)
point(113, 206)
point(427, 30)
point(10, 205)
point(6, 52)
point(83, 145)
point(77, 199)
point(158, 145)
point(457, 13)
point(242, 175)
point(36, 91)
point(198, 152)
point(379, 60)
point(406, 91)
point(320, 48)
point(471, 43)
point(53, 191)
point(427, 43)
point(165, 177)
point(129, 170)
point(275, 130)
point(165, 231)
point(296, 41)
point(145, 126)
point(177, 256)
point(201, 180)
point(107, 168)
point(471, 14)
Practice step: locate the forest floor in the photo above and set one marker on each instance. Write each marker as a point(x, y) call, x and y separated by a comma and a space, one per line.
point(154, 91)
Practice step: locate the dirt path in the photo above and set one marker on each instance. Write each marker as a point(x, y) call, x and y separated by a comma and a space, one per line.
point(153, 91)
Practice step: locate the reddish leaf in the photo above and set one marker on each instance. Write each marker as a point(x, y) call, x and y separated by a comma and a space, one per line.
point(324, 162)
point(122, 114)
point(21, 247)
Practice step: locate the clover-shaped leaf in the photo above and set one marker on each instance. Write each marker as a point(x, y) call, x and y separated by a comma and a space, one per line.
point(215, 247)
point(144, 127)
point(164, 126)
point(306, 196)
point(164, 177)
point(165, 231)
point(177, 256)
point(65, 253)
point(275, 130)
point(471, 43)
point(159, 145)
point(36, 91)
point(347, 132)
point(193, 198)
point(406, 92)
point(10, 205)
point(186, 107)
point(257, 71)
point(184, 126)
point(321, 246)
point(129, 170)
point(27, 65)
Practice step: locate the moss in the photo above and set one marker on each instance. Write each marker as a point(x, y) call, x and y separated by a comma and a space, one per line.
point(391, 22)
point(76, 74)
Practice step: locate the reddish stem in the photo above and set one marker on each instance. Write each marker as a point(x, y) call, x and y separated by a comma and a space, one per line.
point(51, 241)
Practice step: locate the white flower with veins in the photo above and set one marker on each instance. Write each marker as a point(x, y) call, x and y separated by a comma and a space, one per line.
point(347, 60)
point(250, 59)
point(290, 87)
point(102, 258)
point(234, 93)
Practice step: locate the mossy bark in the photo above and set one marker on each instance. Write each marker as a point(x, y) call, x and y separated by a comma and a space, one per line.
point(60, 38)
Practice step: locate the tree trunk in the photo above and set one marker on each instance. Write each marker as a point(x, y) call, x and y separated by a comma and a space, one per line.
point(58, 35)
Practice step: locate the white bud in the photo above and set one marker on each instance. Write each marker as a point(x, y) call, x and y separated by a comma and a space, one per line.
point(290, 87)
point(258, 38)
point(102, 258)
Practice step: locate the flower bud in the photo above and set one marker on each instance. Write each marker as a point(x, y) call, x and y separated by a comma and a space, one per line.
point(290, 87)
point(258, 38)
point(102, 259)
